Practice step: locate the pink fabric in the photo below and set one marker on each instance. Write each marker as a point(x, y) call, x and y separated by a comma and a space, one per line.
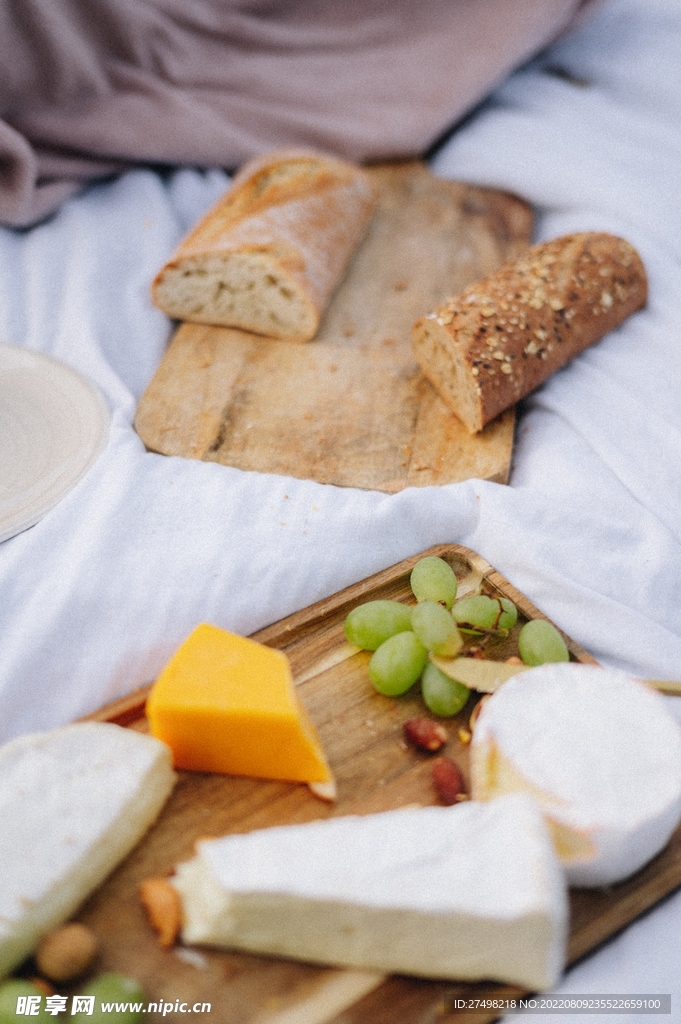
point(90, 87)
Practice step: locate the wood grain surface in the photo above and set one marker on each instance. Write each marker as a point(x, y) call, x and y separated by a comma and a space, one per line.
point(351, 407)
point(375, 770)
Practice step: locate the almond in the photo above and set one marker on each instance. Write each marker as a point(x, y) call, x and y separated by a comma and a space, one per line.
point(162, 904)
point(425, 734)
point(448, 781)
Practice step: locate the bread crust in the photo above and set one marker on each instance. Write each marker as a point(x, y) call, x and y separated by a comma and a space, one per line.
point(504, 336)
point(286, 229)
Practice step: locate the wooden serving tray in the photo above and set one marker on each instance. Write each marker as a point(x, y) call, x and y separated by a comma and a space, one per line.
point(351, 407)
point(362, 735)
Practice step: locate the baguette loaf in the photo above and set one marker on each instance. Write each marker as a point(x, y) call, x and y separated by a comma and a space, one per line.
point(267, 257)
point(503, 336)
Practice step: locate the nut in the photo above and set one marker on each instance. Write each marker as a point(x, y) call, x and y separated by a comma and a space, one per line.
point(425, 734)
point(161, 901)
point(66, 952)
point(448, 781)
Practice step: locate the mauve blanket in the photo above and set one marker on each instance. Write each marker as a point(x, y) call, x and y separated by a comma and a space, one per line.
point(91, 87)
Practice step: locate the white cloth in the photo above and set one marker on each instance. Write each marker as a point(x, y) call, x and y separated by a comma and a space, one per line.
point(96, 597)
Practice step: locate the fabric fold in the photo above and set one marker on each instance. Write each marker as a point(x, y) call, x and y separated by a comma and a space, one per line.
point(88, 90)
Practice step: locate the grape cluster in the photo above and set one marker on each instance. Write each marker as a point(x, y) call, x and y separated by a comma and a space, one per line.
point(401, 637)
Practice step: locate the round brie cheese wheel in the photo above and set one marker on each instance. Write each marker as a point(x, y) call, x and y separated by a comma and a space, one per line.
point(601, 754)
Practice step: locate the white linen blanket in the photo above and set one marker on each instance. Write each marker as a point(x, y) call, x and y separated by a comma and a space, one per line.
point(95, 598)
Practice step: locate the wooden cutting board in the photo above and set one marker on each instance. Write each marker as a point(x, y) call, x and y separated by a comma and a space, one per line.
point(351, 407)
point(362, 734)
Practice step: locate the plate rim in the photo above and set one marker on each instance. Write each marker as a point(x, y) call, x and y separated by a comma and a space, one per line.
point(21, 357)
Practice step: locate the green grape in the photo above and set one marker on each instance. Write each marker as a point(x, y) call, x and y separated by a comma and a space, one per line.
point(433, 579)
point(436, 629)
point(442, 695)
point(539, 642)
point(371, 624)
point(112, 988)
point(10, 991)
point(509, 614)
point(477, 612)
point(397, 663)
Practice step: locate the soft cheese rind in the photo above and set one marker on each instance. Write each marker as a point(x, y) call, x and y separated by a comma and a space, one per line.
point(73, 803)
point(600, 753)
point(267, 257)
point(467, 892)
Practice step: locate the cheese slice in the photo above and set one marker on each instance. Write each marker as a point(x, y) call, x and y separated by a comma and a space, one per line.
point(466, 892)
point(225, 703)
point(600, 753)
point(73, 803)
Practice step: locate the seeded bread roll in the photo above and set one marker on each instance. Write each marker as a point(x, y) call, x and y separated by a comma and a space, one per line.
point(503, 336)
point(267, 257)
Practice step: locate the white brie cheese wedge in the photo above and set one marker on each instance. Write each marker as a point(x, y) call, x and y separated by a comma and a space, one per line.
point(466, 892)
point(600, 753)
point(73, 803)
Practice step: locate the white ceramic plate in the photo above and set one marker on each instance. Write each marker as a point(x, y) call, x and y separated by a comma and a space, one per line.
point(53, 425)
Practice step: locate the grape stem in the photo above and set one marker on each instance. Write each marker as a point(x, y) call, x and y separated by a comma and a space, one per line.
point(468, 629)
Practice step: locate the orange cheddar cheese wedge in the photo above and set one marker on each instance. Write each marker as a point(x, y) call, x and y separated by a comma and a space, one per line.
point(227, 704)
